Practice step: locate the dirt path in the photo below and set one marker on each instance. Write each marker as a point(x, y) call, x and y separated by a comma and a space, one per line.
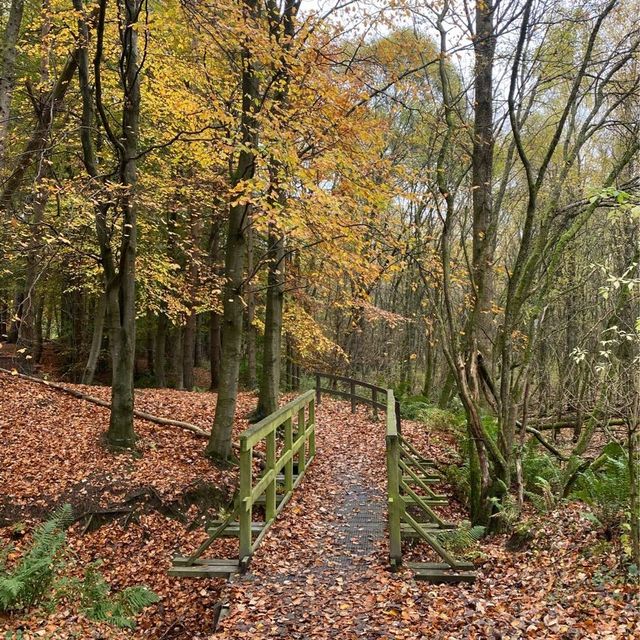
point(321, 572)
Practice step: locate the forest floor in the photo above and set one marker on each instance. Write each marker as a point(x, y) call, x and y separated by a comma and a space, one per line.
point(321, 570)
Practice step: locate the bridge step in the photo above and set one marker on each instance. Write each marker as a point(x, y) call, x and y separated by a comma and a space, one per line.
point(207, 568)
point(432, 502)
point(233, 529)
point(428, 479)
point(408, 531)
point(439, 572)
point(421, 462)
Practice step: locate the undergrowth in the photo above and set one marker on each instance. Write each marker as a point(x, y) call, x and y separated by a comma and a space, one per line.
point(36, 580)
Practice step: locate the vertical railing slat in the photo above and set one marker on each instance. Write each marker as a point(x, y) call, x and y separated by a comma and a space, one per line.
point(288, 446)
point(270, 464)
point(312, 435)
point(301, 429)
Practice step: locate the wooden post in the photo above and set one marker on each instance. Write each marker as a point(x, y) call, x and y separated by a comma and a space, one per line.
point(312, 435)
point(374, 399)
point(395, 503)
point(398, 419)
point(352, 386)
point(270, 465)
point(302, 454)
point(318, 392)
point(245, 510)
point(288, 446)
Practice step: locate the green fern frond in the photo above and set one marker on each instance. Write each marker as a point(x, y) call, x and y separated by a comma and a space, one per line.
point(34, 574)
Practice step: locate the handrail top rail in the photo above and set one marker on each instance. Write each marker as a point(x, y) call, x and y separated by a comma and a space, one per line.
point(361, 383)
point(260, 429)
point(392, 423)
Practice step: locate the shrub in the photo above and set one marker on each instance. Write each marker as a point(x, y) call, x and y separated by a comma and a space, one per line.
point(420, 409)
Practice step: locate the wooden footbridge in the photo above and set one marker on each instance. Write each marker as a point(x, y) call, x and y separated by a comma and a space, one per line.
point(274, 456)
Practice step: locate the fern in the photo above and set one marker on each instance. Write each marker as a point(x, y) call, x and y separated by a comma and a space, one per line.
point(119, 609)
point(606, 491)
point(34, 574)
point(34, 577)
point(462, 539)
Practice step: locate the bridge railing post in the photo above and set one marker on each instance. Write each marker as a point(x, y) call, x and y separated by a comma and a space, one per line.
point(394, 500)
point(246, 507)
point(318, 387)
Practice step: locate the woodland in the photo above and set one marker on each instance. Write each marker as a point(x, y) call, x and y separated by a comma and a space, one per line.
point(202, 204)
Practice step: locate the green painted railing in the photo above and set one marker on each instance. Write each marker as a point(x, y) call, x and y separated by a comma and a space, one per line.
point(395, 504)
point(299, 446)
point(409, 475)
point(289, 437)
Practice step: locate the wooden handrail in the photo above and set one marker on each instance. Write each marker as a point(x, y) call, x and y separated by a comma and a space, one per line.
point(259, 430)
point(376, 401)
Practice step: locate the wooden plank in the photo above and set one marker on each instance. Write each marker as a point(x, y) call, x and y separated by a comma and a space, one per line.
point(244, 501)
point(428, 500)
point(420, 481)
point(437, 576)
point(394, 502)
point(270, 461)
point(311, 431)
point(262, 485)
point(233, 530)
point(301, 435)
point(347, 396)
point(420, 502)
point(288, 447)
point(438, 566)
point(407, 531)
point(359, 383)
point(204, 571)
point(416, 454)
point(185, 561)
point(430, 539)
point(392, 424)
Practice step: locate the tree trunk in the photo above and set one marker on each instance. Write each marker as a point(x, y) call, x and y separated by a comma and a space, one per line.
point(270, 381)
point(215, 348)
point(7, 71)
point(219, 446)
point(119, 278)
point(189, 350)
point(96, 340)
point(250, 333)
point(175, 358)
point(160, 354)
